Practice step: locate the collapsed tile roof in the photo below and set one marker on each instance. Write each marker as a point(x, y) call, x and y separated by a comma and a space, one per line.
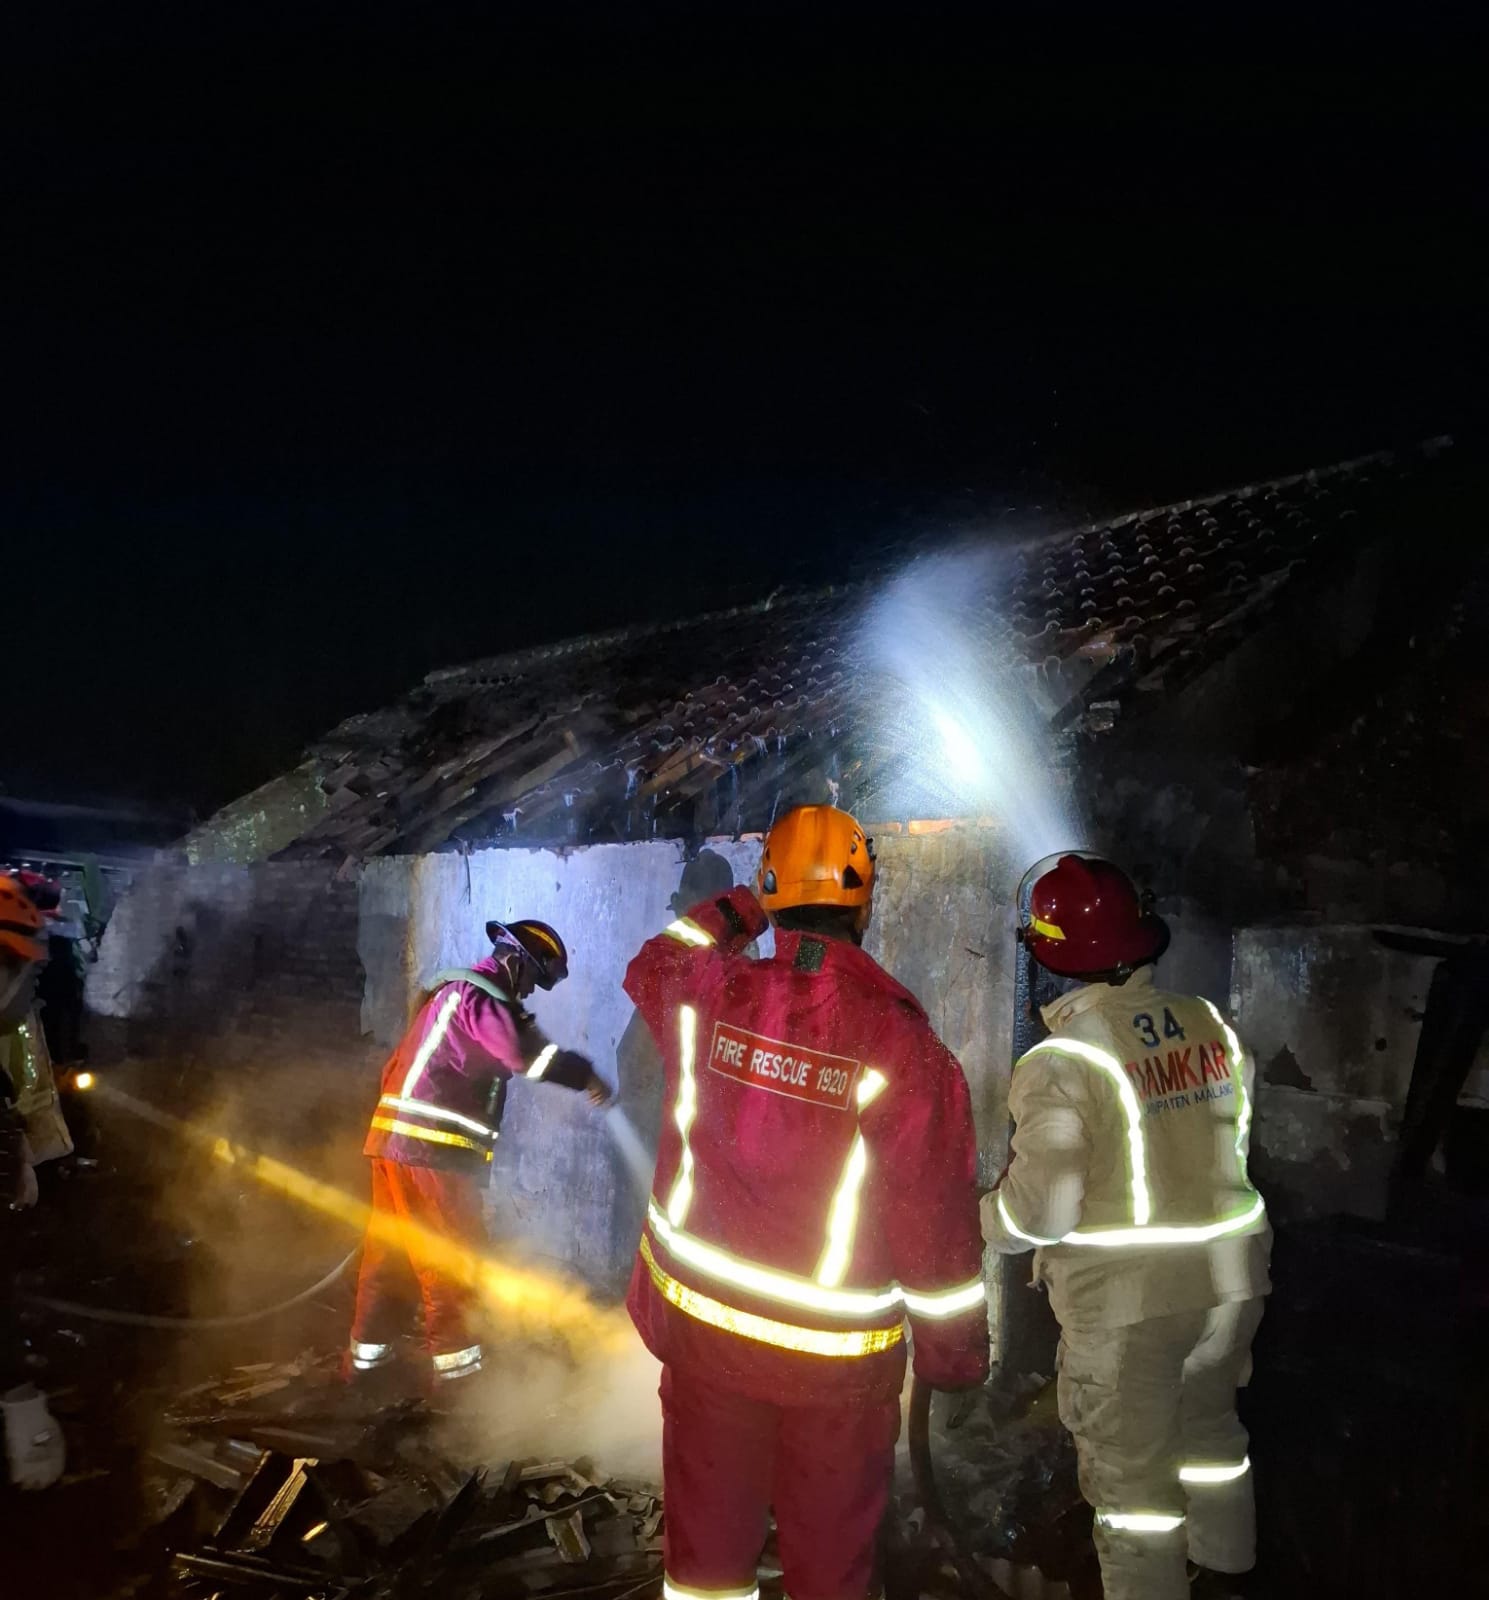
point(702, 725)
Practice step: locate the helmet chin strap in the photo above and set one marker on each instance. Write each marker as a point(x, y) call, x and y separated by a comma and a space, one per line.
point(516, 965)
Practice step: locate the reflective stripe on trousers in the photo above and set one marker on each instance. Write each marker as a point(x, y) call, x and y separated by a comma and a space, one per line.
point(1213, 1474)
point(683, 1591)
point(458, 1363)
point(365, 1356)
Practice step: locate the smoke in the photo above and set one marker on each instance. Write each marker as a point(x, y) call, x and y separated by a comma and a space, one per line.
point(257, 1185)
point(600, 1405)
point(962, 702)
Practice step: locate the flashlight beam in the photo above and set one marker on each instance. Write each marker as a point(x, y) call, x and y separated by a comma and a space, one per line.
point(535, 1303)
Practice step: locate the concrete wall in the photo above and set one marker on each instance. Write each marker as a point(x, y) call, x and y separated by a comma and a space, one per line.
point(246, 985)
point(1333, 1019)
point(269, 992)
point(943, 925)
point(559, 1187)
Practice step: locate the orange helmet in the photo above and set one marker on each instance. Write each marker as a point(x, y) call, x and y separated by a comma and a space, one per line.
point(816, 856)
point(22, 925)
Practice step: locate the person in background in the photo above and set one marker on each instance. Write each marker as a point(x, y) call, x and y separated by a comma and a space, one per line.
point(35, 1451)
point(1129, 1179)
point(815, 1184)
point(432, 1135)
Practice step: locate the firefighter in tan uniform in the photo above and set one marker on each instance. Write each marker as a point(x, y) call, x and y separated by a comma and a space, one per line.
point(1129, 1180)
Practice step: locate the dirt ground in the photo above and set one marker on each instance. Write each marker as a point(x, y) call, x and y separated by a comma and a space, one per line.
point(1369, 1415)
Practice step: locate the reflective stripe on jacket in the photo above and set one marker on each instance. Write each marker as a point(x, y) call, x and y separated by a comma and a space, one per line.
point(815, 1169)
point(1133, 1124)
point(444, 1087)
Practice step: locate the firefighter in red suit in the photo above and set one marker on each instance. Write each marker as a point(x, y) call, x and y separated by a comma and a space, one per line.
point(814, 1189)
point(433, 1131)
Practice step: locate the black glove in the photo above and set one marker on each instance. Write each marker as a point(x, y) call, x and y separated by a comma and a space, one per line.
point(573, 1071)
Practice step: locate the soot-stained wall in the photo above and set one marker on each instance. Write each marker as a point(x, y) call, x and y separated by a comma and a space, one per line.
point(238, 989)
point(1333, 1019)
point(559, 1186)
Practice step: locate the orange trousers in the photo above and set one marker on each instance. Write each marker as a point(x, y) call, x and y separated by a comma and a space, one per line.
point(394, 1276)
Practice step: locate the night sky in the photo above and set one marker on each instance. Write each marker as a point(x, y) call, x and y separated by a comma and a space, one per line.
point(346, 341)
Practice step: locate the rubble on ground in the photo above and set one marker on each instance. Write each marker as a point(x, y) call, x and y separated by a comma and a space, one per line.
point(1006, 1472)
point(274, 1482)
point(318, 1497)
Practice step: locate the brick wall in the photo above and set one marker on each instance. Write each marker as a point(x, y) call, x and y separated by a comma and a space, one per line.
point(240, 985)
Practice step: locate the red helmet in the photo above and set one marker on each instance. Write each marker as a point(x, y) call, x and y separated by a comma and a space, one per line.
point(1083, 916)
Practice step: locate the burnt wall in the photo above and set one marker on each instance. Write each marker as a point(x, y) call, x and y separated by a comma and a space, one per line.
point(239, 984)
point(1332, 1019)
point(559, 1186)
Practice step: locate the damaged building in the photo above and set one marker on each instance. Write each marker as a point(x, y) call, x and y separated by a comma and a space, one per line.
point(1270, 702)
point(1265, 701)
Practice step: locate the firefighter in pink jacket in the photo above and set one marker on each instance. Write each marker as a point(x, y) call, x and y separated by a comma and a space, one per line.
point(1129, 1179)
point(814, 1188)
point(433, 1132)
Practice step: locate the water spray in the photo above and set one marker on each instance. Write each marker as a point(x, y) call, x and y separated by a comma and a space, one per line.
point(640, 1162)
point(962, 704)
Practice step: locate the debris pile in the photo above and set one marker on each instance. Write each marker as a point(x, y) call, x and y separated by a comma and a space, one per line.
point(325, 1498)
point(300, 1526)
point(1006, 1472)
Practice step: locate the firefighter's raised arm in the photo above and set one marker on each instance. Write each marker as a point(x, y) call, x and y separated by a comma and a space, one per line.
point(663, 967)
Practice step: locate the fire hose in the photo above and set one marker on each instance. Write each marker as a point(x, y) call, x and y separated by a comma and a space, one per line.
point(140, 1319)
point(977, 1584)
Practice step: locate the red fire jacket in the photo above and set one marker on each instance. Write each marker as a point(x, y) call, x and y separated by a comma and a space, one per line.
point(815, 1177)
point(443, 1088)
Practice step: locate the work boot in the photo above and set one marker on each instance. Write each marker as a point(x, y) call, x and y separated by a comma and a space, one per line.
point(391, 1377)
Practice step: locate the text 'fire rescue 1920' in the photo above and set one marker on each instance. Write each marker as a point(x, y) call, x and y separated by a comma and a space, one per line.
point(782, 1067)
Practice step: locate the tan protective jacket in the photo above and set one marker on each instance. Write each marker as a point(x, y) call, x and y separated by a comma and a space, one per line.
point(1129, 1176)
point(27, 1062)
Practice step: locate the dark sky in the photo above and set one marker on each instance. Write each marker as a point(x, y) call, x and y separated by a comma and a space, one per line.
point(345, 341)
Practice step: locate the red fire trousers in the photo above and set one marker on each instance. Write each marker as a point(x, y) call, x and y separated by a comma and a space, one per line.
point(728, 1460)
point(447, 1204)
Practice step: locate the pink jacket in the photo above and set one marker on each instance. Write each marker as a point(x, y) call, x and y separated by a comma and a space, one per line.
point(444, 1087)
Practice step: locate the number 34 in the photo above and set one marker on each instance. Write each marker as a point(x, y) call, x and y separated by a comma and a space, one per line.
point(1143, 1023)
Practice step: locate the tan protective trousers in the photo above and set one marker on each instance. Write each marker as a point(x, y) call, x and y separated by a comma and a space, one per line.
point(1161, 1451)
